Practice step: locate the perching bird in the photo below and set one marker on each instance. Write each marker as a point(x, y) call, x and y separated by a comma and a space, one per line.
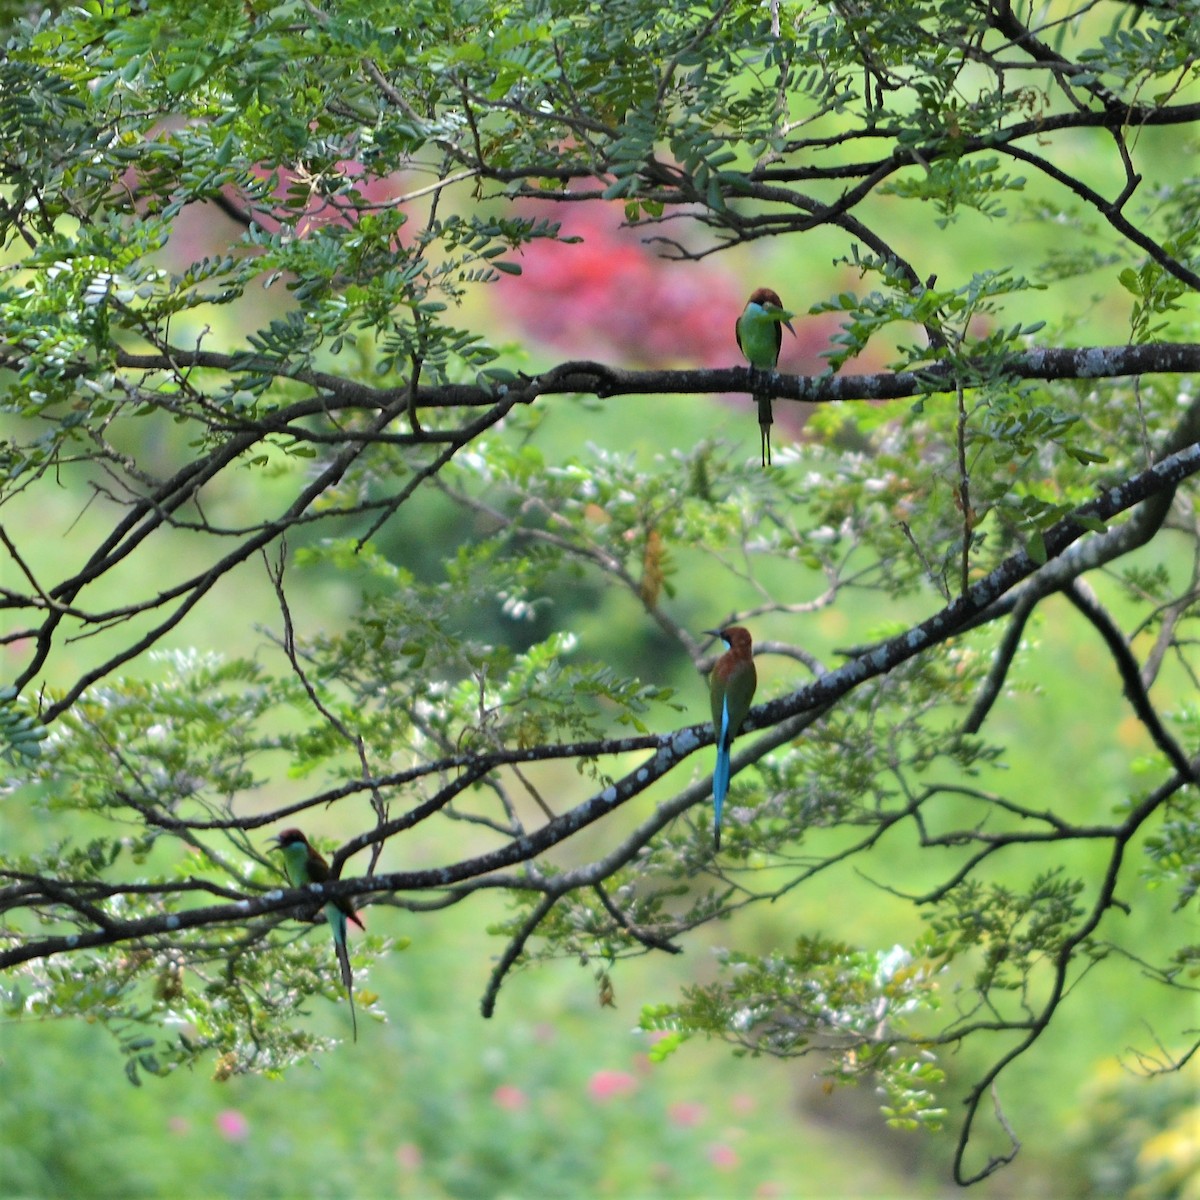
point(303, 866)
point(732, 685)
point(759, 336)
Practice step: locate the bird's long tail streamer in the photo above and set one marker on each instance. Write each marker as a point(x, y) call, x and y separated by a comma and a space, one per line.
point(337, 923)
point(721, 776)
point(765, 420)
point(348, 979)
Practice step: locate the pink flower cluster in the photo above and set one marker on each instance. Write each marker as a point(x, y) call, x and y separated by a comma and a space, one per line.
point(612, 296)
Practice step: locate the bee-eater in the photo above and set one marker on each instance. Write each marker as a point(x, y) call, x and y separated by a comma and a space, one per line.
point(303, 866)
point(759, 333)
point(732, 685)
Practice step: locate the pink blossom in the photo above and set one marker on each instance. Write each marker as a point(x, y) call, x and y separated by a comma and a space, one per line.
point(232, 1125)
point(179, 1125)
point(613, 295)
point(408, 1156)
point(508, 1097)
point(723, 1157)
point(686, 1113)
point(609, 1085)
point(743, 1104)
point(584, 291)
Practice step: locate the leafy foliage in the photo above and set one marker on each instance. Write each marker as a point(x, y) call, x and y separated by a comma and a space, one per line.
point(246, 246)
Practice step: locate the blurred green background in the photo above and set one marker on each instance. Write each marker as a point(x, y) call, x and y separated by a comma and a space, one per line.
point(555, 1096)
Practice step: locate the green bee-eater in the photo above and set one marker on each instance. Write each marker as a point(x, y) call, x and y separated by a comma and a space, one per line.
point(303, 866)
point(732, 685)
point(759, 333)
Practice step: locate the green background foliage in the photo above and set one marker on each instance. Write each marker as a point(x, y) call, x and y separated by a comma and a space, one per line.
point(361, 469)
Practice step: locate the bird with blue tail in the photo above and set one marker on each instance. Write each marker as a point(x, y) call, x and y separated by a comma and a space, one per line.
point(759, 333)
point(731, 684)
point(304, 865)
